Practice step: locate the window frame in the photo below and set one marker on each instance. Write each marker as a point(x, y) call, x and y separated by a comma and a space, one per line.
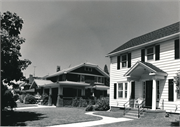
point(149, 54)
point(122, 61)
point(124, 90)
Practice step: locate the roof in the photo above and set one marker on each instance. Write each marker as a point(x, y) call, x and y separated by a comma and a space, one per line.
point(41, 82)
point(148, 66)
point(157, 34)
point(78, 66)
point(98, 87)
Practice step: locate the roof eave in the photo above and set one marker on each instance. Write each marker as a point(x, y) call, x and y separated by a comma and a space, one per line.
point(147, 43)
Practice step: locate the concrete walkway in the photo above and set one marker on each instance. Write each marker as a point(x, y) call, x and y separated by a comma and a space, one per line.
point(104, 120)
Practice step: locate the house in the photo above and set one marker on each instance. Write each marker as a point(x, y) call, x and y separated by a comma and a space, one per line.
point(85, 80)
point(144, 68)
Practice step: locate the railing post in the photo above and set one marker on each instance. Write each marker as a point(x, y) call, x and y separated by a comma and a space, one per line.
point(124, 109)
point(163, 104)
point(138, 110)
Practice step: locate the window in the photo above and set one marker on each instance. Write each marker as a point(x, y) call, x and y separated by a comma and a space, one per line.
point(158, 93)
point(124, 60)
point(177, 49)
point(150, 53)
point(88, 69)
point(122, 90)
point(82, 78)
point(170, 90)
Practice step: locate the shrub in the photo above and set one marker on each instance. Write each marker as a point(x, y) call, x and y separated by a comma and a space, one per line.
point(30, 99)
point(82, 102)
point(102, 104)
point(44, 99)
point(89, 108)
point(75, 102)
point(16, 97)
point(21, 98)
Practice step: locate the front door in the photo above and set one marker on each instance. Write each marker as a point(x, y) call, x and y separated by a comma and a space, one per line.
point(148, 101)
point(132, 94)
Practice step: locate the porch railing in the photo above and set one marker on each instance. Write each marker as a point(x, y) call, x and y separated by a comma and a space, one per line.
point(127, 106)
point(141, 108)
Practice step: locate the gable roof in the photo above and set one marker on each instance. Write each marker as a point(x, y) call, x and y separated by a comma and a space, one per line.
point(78, 66)
point(157, 34)
point(40, 82)
point(148, 66)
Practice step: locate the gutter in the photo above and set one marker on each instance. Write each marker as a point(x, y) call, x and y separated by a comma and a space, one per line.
point(134, 47)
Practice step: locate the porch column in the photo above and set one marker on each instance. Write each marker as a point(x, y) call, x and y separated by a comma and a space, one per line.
point(129, 91)
point(59, 102)
point(83, 92)
point(50, 97)
point(154, 95)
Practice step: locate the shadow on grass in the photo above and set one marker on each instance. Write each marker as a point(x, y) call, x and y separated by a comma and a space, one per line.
point(176, 123)
point(18, 118)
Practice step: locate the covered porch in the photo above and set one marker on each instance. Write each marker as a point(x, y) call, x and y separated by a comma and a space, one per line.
point(145, 85)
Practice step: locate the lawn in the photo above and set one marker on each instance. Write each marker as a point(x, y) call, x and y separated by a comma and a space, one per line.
point(20, 105)
point(114, 114)
point(148, 120)
point(45, 116)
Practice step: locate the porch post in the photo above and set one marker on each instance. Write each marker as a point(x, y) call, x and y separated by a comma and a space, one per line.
point(154, 95)
point(50, 97)
point(83, 92)
point(59, 102)
point(129, 93)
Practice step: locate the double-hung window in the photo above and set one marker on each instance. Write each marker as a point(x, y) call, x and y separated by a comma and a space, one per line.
point(122, 90)
point(150, 53)
point(124, 60)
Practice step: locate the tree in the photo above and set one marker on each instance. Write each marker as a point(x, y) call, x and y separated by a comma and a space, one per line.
point(106, 70)
point(177, 82)
point(11, 64)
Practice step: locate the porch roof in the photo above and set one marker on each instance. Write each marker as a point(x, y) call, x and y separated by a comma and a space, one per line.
point(142, 70)
point(98, 87)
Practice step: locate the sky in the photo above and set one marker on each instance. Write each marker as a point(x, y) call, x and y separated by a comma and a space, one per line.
point(68, 33)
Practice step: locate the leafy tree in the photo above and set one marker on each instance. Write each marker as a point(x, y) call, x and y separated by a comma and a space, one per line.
point(106, 70)
point(177, 82)
point(11, 64)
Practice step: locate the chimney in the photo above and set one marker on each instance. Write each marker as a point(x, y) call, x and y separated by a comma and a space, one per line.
point(58, 69)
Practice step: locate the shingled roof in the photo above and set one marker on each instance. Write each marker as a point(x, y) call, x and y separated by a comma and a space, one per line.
point(157, 34)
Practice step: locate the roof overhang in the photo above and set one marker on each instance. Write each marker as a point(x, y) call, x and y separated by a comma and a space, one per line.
point(98, 87)
point(145, 44)
point(142, 71)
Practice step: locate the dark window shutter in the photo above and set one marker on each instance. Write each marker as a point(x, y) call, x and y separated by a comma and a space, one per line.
point(118, 62)
point(170, 90)
point(157, 52)
point(143, 55)
point(176, 49)
point(129, 60)
point(115, 90)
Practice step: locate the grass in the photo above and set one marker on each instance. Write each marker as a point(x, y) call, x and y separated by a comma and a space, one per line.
point(148, 120)
point(46, 116)
point(114, 114)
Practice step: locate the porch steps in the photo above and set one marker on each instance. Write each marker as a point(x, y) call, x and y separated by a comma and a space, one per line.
point(133, 113)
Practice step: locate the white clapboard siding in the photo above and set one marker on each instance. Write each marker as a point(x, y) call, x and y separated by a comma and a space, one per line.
point(167, 63)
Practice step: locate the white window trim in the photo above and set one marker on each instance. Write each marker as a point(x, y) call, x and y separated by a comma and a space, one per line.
point(121, 65)
point(123, 97)
point(147, 54)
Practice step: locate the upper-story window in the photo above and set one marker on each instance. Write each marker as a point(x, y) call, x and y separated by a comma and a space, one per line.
point(124, 61)
point(88, 69)
point(151, 53)
point(82, 78)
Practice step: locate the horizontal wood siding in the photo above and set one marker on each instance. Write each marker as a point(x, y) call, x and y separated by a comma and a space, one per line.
point(167, 63)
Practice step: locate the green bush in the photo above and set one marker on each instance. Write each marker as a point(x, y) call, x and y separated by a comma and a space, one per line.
point(82, 102)
point(44, 99)
point(102, 104)
point(75, 102)
point(30, 99)
point(16, 97)
point(89, 108)
point(21, 98)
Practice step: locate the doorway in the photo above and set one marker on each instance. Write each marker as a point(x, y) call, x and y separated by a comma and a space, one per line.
point(148, 98)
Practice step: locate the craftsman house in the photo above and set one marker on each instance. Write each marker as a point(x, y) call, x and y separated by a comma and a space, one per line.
point(86, 80)
point(142, 71)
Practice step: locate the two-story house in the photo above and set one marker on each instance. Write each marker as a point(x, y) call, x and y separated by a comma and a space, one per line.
point(144, 68)
point(84, 80)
